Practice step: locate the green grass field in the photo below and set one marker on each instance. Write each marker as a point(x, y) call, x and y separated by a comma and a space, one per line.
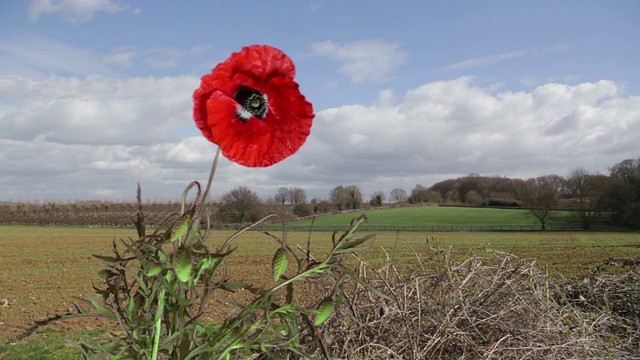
point(45, 269)
point(441, 216)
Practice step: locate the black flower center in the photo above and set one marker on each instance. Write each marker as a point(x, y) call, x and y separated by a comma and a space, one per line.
point(252, 103)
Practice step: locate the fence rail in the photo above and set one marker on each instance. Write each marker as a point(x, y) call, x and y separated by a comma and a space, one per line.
point(437, 228)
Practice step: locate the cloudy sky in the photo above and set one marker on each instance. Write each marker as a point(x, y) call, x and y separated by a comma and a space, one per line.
point(95, 95)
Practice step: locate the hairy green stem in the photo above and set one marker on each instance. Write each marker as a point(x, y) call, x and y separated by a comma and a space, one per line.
point(156, 339)
point(211, 175)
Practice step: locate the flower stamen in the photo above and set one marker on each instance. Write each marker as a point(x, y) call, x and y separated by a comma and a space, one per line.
point(252, 103)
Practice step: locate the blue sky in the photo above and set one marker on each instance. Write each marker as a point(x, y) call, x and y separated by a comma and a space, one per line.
point(95, 94)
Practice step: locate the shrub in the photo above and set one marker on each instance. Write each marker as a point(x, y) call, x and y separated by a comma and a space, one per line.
point(302, 210)
point(497, 307)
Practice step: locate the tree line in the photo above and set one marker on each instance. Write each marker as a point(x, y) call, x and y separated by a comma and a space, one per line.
point(590, 194)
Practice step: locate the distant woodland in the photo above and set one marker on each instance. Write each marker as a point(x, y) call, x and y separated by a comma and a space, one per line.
point(615, 195)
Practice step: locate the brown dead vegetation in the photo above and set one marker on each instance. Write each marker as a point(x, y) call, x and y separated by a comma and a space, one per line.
point(500, 307)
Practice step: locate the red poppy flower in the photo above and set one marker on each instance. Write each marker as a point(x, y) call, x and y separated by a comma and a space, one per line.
point(252, 108)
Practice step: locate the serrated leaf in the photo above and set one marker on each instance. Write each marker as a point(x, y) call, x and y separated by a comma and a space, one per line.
point(182, 264)
point(279, 263)
point(182, 226)
point(324, 311)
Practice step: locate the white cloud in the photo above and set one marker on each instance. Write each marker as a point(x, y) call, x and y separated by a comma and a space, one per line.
point(386, 98)
point(533, 80)
point(74, 10)
point(77, 138)
point(365, 60)
point(34, 55)
point(122, 57)
point(556, 48)
point(190, 150)
point(72, 137)
point(31, 56)
point(456, 127)
point(154, 57)
point(486, 60)
point(95, 110)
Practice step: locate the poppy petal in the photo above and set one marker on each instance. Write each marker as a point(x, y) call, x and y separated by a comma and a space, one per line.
point(275, 123)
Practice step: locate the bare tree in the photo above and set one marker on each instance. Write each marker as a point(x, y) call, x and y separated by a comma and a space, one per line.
point(346, 197)
point(540, 196)
point(337, 196)
point(353, 196)
point(240, 205)
point(398, 195)
point(589, 190)
point(624, 192)
point(419, 194)
point(297, 196)
point(282, 196)
point(377, 198)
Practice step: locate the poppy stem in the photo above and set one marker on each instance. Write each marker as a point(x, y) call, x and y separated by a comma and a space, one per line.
point(211, 174)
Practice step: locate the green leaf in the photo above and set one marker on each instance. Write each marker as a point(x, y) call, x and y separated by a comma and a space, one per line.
point(279, 263)
point(353, 227)
point(105, 274)
point(324, 311)
point(182, 263)
point(352, 246)
point(108, 314)
point(185, 345)
point(207, 262)
point(231, 286)
point(161, 255)
point(109, 259)
point(182, 226)
point(155, 269)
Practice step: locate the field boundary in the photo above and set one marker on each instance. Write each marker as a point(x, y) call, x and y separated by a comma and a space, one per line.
point(433, 228)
